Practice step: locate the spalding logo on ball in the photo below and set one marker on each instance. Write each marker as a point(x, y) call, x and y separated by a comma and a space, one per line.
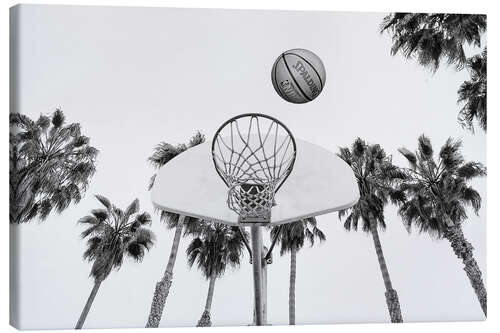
point(298, 76)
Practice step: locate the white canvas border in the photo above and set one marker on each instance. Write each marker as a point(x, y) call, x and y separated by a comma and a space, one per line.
point(478, 6)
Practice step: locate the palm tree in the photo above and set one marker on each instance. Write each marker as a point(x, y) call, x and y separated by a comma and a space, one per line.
point(111, 234)
point(376, 177)
point(291, 238)
point(472, 93)
point(434, 38)
point(50, 165)
point(438, 194)
point(216, 246)
point(162, 154)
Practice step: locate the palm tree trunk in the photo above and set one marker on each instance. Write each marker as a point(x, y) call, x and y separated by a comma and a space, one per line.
point(291, 292)
point(391, 296)
point(163, 286)
point(463, 250)
point(205, 317)
point(87, 306)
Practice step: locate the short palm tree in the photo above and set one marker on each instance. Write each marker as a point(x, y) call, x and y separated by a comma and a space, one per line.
point(216, 247)
point(51, 164)
point(162, 154)
point(292, 237)
point(112, 234)
point(472, 93)
point(438, 195)
point(433, 38)
point(377, 178)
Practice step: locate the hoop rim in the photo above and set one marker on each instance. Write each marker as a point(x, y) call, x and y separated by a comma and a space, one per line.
point(257, 115)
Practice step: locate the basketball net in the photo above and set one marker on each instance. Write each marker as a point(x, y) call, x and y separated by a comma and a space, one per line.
point(253, 154)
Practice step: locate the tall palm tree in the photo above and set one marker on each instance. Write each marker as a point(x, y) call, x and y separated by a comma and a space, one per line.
point(438, 195)
point(436, 38)
point(377, 178)
point(291, 238)
point(112, 234)
point(51, 164)
point(472, 93)
point(162, 154)
point(216, 247)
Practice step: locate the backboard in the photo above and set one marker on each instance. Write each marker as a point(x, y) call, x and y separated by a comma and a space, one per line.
point(319, 183)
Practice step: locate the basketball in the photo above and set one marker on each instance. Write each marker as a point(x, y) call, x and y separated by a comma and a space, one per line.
point(298, 76)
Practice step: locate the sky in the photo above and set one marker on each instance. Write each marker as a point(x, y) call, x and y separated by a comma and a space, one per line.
point(133, 77)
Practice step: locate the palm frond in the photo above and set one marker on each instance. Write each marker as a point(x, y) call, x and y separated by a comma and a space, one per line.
point(358, 148)
point(138, 245)
point(342, 213)
point(100, 214)
point(425, 148)
point(472, 94)
point(144, 218)
point(164, 152)
point(196, 139)
point(450, 154)
point(92, 230)
point(471, 170)
point(411, 157)
point(193, 250)
point(93, 245)
point(472, 197)
point(58, 118)
point(104, 201)
point(131, 209)
point(88, 220)
point(345, 155)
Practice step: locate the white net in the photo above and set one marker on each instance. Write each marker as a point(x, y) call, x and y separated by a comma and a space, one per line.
point(253, 154)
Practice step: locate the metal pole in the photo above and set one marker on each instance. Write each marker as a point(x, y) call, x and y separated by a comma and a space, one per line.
point(256, 233)
point(275, 238)
point(264, 286)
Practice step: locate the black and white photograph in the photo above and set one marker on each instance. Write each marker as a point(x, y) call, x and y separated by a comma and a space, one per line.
point(183, 167)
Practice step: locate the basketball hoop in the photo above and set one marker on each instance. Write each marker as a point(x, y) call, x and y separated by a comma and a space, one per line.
point(253, 154)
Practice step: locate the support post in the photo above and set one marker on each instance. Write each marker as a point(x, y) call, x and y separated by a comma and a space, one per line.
point(269, 252)
point(264, 285)
point(256, 233)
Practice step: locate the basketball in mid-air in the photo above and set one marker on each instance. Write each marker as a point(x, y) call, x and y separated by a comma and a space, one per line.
point(298, 76)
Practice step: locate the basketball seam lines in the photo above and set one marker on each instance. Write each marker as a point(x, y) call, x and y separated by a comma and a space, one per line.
point(314, 69)
point(276, 80)
point(293, 78)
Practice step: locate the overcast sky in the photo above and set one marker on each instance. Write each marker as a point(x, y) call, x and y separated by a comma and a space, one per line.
point(133, 77)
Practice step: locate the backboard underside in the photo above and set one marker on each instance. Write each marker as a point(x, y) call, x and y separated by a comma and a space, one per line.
point(319, 183)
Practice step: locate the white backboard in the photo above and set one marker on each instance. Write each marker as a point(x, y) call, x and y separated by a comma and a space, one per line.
point(319, 183)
